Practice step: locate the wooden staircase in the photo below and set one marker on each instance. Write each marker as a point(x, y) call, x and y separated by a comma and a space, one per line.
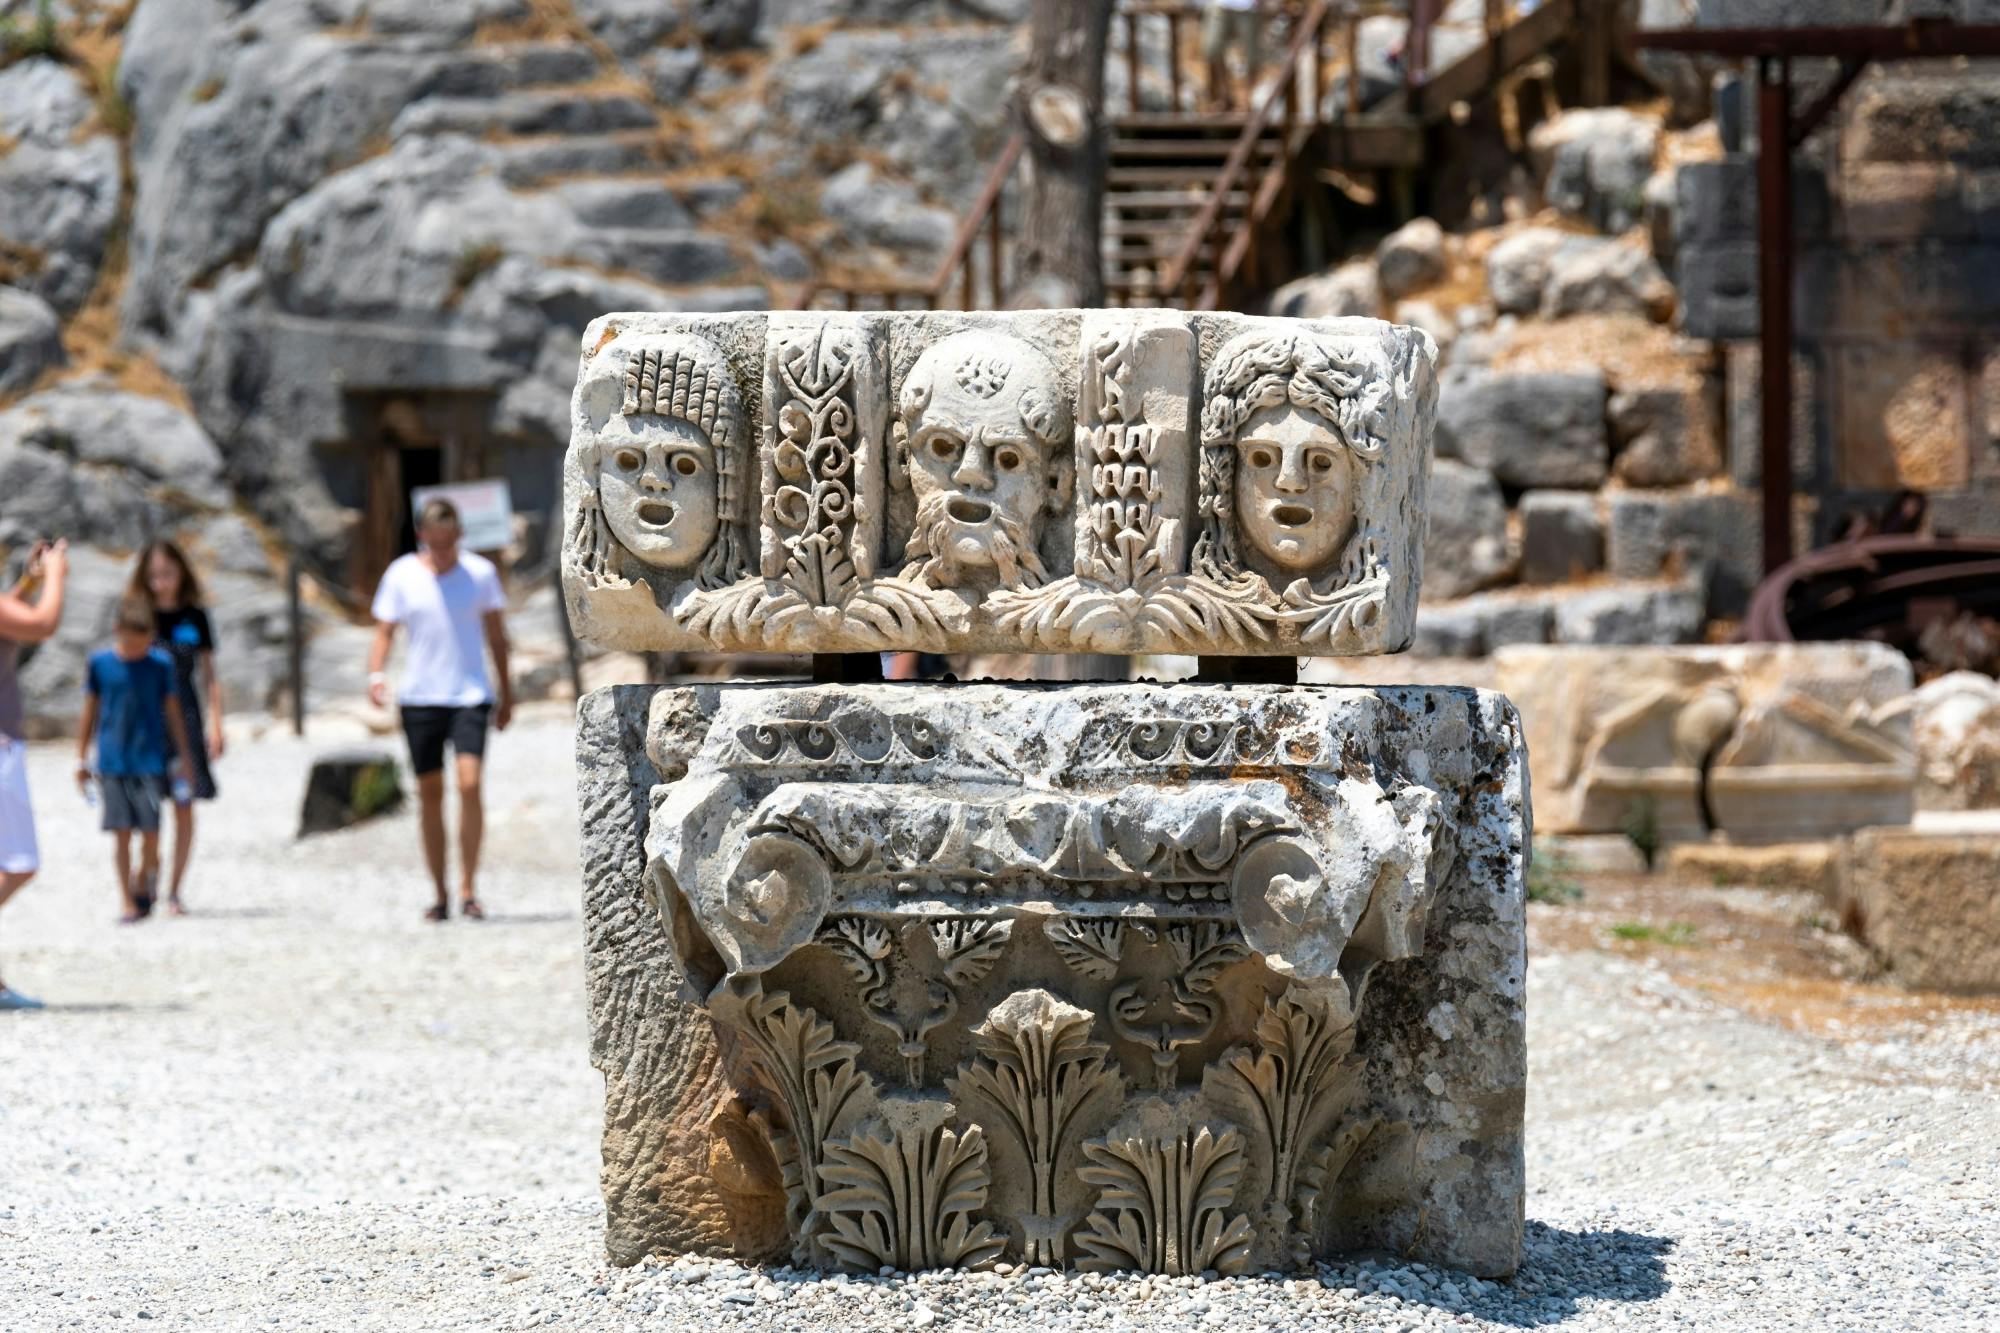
point(1160, 176)
point(1191, 197)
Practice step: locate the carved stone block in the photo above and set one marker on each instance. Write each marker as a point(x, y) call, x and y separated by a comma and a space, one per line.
point(1766, 742)
point(1103, 481)
point(1179, 979)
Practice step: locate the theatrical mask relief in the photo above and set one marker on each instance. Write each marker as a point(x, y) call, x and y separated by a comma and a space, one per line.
point(1087, 481)
point(1185, 979)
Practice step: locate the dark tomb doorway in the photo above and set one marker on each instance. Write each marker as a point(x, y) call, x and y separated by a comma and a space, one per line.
point(406, 439)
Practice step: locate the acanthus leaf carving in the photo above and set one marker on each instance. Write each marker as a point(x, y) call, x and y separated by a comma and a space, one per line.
point(1039, 1070)
point(1163, 1205)
point(1290, 1092)
point(1091, 947)
point(969, 946)
point(907, 997)
point(909, 1198)
point(818, 1081)
point(1168, 1013)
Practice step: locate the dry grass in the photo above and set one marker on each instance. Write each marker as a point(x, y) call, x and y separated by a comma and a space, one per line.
point(1464, 284)
point(1630, 349)
point(809, 37)
point(1771, 953)
point(1699, 143)
point(19, 262)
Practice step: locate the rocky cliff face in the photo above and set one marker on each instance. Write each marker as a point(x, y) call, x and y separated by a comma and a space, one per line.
point(238, 216)
point(437, 196)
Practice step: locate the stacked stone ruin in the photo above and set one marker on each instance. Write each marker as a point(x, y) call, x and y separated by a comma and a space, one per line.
point(1184, 978)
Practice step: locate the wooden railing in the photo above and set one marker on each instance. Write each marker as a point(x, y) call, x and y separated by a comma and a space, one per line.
point(1218, 254)
point(1142, 18)
point(958, 270)
point(1263, 177)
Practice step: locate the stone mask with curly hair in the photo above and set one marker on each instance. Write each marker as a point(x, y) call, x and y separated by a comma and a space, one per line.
point(1288, 426)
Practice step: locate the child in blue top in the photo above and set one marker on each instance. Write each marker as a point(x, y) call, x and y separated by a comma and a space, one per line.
point(129, 712)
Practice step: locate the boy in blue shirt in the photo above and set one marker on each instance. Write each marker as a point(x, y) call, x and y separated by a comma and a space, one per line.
point(129, 709)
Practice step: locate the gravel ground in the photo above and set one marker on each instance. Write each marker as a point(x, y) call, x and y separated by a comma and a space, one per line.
point(302, 1107)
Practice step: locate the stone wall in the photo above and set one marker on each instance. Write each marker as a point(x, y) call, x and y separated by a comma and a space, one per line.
point(1896, 380)
point(1598, 422)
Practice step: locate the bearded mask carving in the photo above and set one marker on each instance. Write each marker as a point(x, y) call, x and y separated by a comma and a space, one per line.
point(986, 455)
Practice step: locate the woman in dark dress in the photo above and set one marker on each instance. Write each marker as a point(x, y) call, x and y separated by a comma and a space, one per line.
point(165, 579)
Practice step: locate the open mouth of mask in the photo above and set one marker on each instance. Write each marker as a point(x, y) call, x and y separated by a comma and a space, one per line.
point(1291, 516)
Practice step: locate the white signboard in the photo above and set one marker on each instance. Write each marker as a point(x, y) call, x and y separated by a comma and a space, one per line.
point(484, 507)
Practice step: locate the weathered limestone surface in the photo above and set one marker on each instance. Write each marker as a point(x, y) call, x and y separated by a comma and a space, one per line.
point(1926, 905)
point(1780, 741)
point(1123, 976)
point(1048, 481)
point(1956, 723)
point(670, 1180)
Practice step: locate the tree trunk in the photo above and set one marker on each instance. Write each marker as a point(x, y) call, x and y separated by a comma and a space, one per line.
point(1058, 260)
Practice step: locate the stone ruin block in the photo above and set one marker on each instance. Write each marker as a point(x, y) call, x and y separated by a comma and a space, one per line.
point(1049, 481)
point(1184, 979)
point(1764, 742)
point(1171, 978)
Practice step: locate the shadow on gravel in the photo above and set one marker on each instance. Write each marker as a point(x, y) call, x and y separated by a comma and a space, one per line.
point(233, 913)
point(527, 918)
point(1562, 1274)
point(1561, 1270)
point(113, 1007)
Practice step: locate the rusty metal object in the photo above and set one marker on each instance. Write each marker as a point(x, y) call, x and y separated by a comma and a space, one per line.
point(1886, 588)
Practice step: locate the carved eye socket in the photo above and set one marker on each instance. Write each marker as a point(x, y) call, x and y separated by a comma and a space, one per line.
point(942, 447)
point(1320, 461)
point(686, 464)
point(1007, 460)
point(629, 460)
point(1262, 458)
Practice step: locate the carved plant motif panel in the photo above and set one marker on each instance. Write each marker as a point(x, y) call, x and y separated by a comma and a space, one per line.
point(1105, 977)
point(1049, 481)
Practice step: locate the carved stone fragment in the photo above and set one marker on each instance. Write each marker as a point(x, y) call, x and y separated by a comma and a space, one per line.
point(909, 1199)
point(1176, 978)
point(1187, 980)
point(1163, 1204)
point(1049, 481)
point(1764, 742)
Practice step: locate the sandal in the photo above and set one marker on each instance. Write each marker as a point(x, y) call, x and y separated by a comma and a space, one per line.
point(471, 910)
point(437, 912)
point(174, 907)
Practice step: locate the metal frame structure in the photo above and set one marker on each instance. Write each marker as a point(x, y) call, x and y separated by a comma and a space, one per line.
point(1780, 129)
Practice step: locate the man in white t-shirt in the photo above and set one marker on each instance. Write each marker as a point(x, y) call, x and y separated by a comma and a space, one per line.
point(449, 602)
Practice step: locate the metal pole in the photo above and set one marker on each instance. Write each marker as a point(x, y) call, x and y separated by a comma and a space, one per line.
point(569, 643)
point(1774, 299)
point(297, 665)
point(1131, 62)
point(1596, 25)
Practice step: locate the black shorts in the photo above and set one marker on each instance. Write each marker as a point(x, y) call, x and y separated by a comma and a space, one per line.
point(428, 726)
